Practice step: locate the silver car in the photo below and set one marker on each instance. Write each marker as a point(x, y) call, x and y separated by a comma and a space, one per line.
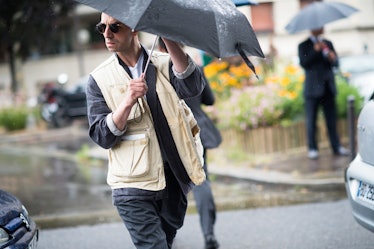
point(359, 71)
point(359, 176)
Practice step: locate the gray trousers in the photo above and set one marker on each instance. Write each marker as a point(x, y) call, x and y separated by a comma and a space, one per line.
point(153, 224)
point(205, 204)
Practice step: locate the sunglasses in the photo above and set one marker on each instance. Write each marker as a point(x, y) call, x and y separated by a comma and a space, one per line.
point(101, 27)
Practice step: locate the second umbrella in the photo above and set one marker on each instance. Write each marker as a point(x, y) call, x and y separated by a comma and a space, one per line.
point(318, 14)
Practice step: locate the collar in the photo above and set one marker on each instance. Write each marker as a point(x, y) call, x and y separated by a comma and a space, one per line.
point(145, 58)
point(314, 39)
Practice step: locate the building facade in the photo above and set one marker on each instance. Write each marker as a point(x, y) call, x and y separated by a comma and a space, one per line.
point(354, 35)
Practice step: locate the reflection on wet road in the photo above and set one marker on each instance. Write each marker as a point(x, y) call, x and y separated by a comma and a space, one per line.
point(48, 179)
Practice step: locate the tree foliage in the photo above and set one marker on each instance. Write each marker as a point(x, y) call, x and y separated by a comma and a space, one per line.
point(25, 25)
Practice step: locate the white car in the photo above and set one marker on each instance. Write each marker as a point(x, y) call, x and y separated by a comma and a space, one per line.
point(359, 71)
point(359, 176)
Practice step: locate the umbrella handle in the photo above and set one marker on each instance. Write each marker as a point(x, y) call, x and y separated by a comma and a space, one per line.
point(150, 54)
point(245, 58)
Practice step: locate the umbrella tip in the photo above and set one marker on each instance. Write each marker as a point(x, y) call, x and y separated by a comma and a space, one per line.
point(245, 58)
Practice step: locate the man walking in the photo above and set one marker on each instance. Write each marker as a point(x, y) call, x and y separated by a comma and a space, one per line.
point(137, 116)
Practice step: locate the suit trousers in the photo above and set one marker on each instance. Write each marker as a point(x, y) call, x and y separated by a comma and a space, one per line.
point(205, 204)
point(153, 224)
point(329, 110)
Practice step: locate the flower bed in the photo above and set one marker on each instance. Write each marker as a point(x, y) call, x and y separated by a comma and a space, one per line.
point(267, 115)
point(245, 103)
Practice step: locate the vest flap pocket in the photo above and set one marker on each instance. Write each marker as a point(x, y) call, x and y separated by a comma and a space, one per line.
point(131, 157)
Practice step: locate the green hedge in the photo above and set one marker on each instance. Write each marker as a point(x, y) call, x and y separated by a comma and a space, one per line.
point(14, 118)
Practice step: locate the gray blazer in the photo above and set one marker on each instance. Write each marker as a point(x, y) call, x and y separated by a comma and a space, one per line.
point(210, 135)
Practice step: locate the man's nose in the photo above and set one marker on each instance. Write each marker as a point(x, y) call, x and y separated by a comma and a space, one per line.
point(108, 32)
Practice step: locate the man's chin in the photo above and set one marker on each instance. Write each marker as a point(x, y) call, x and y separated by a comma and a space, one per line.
point(111, 47)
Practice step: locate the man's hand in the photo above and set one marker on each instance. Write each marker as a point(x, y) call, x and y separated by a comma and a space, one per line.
point(137, 88)
point(331, 56)
point(327, 52)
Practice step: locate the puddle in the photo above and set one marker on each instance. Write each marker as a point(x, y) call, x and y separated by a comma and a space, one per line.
point(50, 185)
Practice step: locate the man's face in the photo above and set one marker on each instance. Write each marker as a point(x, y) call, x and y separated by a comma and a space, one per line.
point(317, 32)
point(118, 37)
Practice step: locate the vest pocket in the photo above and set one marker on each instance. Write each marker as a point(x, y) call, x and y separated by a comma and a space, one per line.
point(131, 157)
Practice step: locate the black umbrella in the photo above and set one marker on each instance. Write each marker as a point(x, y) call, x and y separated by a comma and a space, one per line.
point(214, 26)
point(318, 14)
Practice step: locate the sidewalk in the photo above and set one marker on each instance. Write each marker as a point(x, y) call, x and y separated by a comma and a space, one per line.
point(294, 169)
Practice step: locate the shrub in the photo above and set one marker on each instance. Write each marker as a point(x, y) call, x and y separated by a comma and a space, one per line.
point(14, 118)
point(344, 91)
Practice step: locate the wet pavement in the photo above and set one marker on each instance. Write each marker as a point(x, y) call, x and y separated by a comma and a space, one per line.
point(49, 171)
point(47, 175)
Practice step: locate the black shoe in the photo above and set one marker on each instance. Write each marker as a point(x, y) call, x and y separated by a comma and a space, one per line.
point(211, 243)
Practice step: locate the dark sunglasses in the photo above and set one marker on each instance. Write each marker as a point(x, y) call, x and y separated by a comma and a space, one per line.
point(101, 27)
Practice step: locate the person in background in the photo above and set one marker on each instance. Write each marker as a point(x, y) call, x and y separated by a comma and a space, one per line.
point(318, 58)
point(129, 117)
point(211, 138)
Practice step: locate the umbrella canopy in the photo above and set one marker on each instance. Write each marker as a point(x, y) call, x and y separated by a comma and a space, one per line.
point(318, 14)
point(239, 3)
point(214, 26)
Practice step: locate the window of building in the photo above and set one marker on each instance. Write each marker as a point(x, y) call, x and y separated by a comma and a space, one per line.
point(262, 17)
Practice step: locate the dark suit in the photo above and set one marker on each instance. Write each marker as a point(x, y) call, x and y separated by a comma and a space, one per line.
point(319, 89)
point(210, 138)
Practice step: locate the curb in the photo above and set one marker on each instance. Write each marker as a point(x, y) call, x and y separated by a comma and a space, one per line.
point(273, 177)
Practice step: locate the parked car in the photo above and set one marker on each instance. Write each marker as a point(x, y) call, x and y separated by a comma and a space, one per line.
point(59, 106)
point(359, 176)
point(359, 71)
point(17, 229)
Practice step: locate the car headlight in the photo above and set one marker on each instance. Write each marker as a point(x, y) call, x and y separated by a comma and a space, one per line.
point(4, 236)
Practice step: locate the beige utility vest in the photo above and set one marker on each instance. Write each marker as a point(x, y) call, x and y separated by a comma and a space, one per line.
point(136, 161)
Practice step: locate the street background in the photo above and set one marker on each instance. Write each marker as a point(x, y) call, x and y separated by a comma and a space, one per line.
point(308, 226)
point(288, 202)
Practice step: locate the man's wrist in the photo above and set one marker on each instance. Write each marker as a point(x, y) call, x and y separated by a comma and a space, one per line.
point(189, 70)
point(112, 126)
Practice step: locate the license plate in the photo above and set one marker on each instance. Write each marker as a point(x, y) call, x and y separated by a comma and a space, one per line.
point(365, 192)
